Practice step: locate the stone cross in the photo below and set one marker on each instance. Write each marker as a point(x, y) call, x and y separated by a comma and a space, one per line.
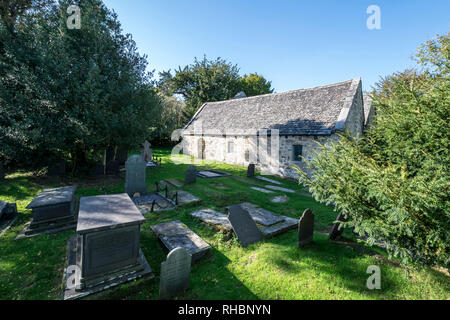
point(147, 152)
point(191, 175)
point(135, 176)
point(337, 230)
point(251, 170)
point(175, 273)
point(305, 228)
point(243, 225)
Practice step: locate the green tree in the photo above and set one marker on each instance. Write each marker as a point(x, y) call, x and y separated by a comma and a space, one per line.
point(208, 81)
point(69, 94)
point(393, 184)
point(255, 84)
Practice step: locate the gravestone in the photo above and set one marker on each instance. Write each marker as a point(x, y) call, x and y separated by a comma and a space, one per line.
point(7, 210)
point(135, 176)
point(106, 248)
point(243, 225)
point(121, 156)
point(146, 152)
point(175, 234)
point(57, 169)
point(175, 273)
point(251, 170)
point(2, 171)
point(336, 230)
point(113, 167)
point(109, 155)
point(305, 228)
point(191, 175)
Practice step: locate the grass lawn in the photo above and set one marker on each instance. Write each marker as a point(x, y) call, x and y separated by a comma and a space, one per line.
point(272, 269)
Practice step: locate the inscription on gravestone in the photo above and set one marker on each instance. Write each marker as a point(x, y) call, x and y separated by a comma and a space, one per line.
point(175, 273)
point(305, 228)
point(135, 176)
point(243, 225)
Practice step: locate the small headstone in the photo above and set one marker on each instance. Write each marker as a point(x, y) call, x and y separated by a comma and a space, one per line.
point(137, 195)
point(279, 199)
point(243, 225)
point(191, 175)
point(97, 170)
point(121, 156)
point(175, 273)
point(57, 169)
point(251, 170)
point(336, 230)
point(135, 176)
point(2, 171)
point(113, 167)
point(305, 228)
point(7, 209)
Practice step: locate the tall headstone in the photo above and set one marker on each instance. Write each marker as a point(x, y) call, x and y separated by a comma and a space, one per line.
point(121, 156)
point(243, 225)
point(2, 172)
point(305, 228)
point(337, 230)
point(175, 273)
point(135, 176)
point(251, 170)
point(191, 175)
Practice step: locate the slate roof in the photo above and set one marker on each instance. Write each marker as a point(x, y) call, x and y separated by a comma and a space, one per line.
point(314, 111)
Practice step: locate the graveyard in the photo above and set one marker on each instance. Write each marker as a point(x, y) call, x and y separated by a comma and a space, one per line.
point(277, 258)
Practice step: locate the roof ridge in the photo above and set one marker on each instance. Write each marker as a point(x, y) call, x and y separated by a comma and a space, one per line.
point(284, 92)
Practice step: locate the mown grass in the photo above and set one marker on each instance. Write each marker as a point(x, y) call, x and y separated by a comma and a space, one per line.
point(272, 269)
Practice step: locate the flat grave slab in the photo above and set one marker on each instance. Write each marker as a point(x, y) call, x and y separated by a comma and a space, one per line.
point(145, 203)
point(175, 234)
point(214, 218)
point(174, 182)
point(53, 210)
point(262, 190)
point(219, 221)
point(279, 189)
point(184, 197)
point(211, 174)
point(268, 180)
point(279, 199)
point(243, 225)
point(261, 216)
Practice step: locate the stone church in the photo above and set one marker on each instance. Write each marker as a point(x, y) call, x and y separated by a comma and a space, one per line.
point(274, 131)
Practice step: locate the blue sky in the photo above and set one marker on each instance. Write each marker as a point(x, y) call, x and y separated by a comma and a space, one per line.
point(295, 44)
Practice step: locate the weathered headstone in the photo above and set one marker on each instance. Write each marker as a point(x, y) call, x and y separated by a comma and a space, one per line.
point(2, 171)
point(305, 228)
point(243, 225)
point(121, 156)
point(113, 167)
point(7, 209)
point(106, 248)
point(57, 169)
point(336, 230)
point(175, 273)
point(147, 151)
point(251, 170)
point(191, 175)
point(135, 176)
